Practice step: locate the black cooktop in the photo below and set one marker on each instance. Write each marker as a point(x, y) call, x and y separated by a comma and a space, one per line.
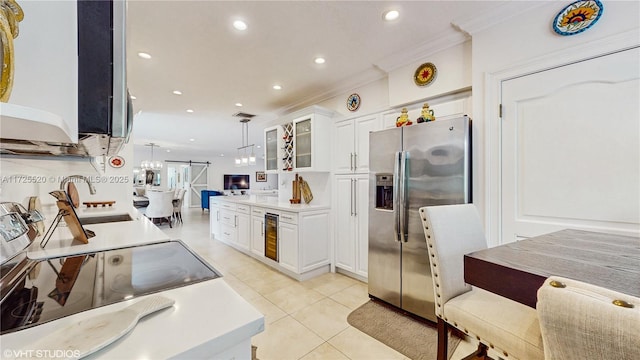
point(57, 287)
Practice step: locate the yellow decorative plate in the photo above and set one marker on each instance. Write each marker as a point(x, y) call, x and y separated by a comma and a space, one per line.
point(425, 74)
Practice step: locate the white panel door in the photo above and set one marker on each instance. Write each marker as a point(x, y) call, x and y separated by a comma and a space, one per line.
point(257, 235)
point(288, 246)
point(244, 231)
point(361, 203)
point(343, 147)
point(570, 148)
point(345, 233)
point(363, 126)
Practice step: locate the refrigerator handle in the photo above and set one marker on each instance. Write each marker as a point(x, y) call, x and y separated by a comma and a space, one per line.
point(404, 197)
point(396, 196)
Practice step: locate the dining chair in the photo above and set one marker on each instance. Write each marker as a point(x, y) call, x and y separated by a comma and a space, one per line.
point(177, 204)
point(585, 321)
point(505, 326)
point(160, 206)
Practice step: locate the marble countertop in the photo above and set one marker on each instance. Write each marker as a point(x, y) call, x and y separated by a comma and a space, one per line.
point(272, 202)
point(207, 317)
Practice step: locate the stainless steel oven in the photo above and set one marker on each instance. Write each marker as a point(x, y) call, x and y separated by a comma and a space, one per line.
point(271, 236)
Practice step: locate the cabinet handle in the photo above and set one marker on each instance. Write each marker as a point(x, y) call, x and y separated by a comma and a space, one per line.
point(262, 228)
point(351, 199)
point(355, 161)
point(351, 161)
point(218, 215)
point(235, 220)
point(355, 197)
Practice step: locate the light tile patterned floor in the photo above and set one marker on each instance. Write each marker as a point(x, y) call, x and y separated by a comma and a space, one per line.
point(304, 320)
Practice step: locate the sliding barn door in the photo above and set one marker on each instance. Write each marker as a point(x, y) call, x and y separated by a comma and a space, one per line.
point(198, 182)
point(570, 155)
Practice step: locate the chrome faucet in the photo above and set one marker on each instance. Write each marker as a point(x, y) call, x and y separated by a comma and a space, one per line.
point(92, 189)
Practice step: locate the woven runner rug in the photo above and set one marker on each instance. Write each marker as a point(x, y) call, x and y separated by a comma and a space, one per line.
point(415, 339)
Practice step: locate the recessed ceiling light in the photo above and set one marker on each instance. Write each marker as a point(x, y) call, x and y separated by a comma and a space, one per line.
point(144, 55)
point(390, 15)
point(240, 25)
point(192, 139)
point(258, 146)
point(277, 87)
point(221, 155)
point(168, 150)
point(189, 110)
point(133, 97)
point(177, 92)
point(238, 104)
point(319, 60)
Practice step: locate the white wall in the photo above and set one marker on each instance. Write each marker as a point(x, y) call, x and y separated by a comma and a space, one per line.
point(517, 44)
point(24, 177)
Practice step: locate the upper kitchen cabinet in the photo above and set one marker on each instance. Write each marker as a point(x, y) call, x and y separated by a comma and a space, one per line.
point(302, 142)
point(271, 154)
point(351, 150)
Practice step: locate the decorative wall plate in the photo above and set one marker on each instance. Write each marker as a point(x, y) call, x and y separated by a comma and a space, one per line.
point(116, 161)
point(577, 17)
point(353, 102)
point(425, 74)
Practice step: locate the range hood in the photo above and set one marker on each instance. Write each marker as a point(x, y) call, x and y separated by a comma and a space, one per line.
point(104, 112)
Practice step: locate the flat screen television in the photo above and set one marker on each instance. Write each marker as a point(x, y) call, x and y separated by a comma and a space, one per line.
point(236, 182)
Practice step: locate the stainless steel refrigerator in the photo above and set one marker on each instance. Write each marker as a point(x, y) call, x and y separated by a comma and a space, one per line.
point(411, 167)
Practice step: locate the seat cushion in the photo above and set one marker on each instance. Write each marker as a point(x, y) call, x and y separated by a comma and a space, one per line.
point(505, 324)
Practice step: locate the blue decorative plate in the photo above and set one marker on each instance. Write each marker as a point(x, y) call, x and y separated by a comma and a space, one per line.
point(577, 17)
point(353, 102)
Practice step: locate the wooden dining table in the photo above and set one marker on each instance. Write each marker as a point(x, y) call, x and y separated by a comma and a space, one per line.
point(517, 270)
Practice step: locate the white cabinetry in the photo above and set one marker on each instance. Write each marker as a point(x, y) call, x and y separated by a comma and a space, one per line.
point(243, 226)
point(351, 143)
point(257, 231)
point(288, 246)
point(311, 134)
point(214, 217)
point(351, 224)
point(235, 226)
point(271, 146)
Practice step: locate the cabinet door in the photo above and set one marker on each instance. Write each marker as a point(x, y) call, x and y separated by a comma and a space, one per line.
point(288, 246)
point(257, 235)
point(344, 147)
point(361, 205)
point(363, 126)
point(243, 230)
point(214, 217)
point(344, 223)
point(302, 143)
point(271, 149)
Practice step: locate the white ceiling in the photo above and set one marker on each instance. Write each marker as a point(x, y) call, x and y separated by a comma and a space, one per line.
point(196, 50)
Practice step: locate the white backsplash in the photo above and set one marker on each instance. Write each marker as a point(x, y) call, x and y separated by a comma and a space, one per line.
point(318, 182)
point(21, 178)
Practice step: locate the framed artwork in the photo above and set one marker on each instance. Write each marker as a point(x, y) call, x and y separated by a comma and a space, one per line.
point(261, 176)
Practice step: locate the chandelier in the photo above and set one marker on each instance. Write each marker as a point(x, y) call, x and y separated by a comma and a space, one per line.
point(244, 157)
point(150, 164)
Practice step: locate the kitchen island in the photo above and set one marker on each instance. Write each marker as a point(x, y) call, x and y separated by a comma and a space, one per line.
point(292, 238)
point(208, 320)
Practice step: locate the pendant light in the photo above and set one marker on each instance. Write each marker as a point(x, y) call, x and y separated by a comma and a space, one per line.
point(150, 164)
point(242, 158)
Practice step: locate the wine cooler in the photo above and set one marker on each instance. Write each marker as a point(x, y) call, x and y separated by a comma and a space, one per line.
point(271, 236)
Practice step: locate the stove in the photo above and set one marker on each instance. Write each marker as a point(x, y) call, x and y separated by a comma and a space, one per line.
point(49, 289)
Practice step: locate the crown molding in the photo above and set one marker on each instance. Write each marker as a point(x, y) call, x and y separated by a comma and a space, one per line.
point(472, 25)
point(435, 45)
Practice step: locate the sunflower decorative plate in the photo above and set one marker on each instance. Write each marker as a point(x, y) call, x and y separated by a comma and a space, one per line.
point(353, 102)
point(577, 17)
point(425, 74)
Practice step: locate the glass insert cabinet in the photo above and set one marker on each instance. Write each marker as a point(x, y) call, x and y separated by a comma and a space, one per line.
point(300, 142)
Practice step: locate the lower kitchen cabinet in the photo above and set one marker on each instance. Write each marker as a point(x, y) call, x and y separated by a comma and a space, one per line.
point(288, 246)
point(257, 231)
point(214, 218)
point(351, 223)
point(302, 237)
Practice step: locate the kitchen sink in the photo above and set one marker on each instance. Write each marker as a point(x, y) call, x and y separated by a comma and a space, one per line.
point(105, 219)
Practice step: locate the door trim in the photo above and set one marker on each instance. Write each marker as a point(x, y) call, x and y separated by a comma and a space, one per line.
point(492, 129)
